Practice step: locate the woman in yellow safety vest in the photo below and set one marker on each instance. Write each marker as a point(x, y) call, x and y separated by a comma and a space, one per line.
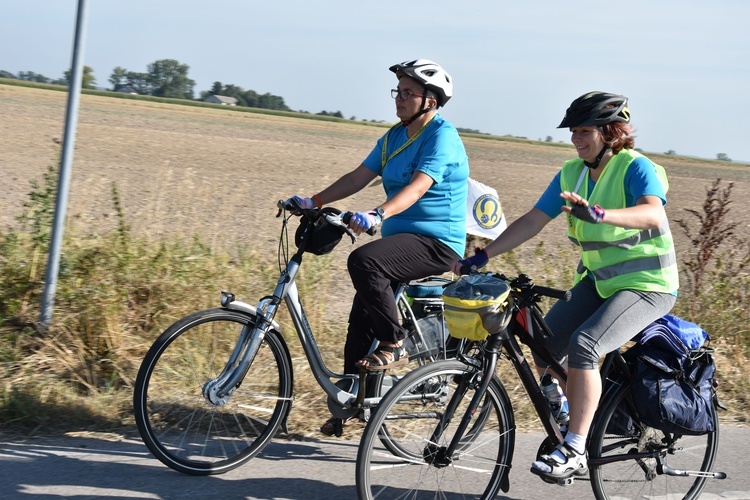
point(627, 277)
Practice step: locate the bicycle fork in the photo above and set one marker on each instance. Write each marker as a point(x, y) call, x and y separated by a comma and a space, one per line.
point(218, 390)
point(442, 456)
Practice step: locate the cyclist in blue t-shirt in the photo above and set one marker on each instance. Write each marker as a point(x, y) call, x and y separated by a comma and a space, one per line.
point(613, 199)
point(424, 169)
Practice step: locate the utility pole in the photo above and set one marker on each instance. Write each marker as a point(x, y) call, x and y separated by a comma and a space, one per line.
point(66, 161)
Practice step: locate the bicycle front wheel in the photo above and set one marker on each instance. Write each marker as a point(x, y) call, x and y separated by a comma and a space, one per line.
point(402, 453)
point(182, 427)
point(617, 434)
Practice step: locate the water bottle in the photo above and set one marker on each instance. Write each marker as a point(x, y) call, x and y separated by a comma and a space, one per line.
point(558, 403)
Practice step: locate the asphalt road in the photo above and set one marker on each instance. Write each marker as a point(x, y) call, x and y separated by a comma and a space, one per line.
point(96, 466)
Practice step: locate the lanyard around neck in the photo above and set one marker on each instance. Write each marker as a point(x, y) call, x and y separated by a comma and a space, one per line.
point(384, 158)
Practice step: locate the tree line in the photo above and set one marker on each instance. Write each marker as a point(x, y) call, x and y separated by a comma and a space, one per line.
point(163, 78)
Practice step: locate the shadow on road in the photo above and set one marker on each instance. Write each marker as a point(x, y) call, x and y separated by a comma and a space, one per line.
point(94, 468)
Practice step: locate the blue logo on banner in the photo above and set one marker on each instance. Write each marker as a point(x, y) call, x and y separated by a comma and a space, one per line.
point(487, 211)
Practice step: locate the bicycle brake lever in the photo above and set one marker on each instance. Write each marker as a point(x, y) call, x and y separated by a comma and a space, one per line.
point(350, 233)
point(342, 220)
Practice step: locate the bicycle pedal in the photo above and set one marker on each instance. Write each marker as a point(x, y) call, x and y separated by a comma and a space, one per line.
point(568, 481)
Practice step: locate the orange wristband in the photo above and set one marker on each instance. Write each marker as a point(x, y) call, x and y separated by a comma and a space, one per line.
point(316, 199)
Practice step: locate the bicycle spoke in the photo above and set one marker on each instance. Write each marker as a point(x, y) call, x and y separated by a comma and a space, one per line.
point(623, 477)
point(179, 425)
point(399, 458)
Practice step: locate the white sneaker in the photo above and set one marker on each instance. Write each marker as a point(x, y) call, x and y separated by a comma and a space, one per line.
point(549, 466)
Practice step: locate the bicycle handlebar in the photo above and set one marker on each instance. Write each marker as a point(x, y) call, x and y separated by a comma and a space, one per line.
point(523, 283)
point(553, 292)
point(465, 270)
point(346, 217)
point(341, 219)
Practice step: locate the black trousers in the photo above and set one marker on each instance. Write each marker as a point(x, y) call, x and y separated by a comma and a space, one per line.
point(376, 269)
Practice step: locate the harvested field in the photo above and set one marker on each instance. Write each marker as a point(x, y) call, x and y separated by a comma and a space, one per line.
point(217, 173)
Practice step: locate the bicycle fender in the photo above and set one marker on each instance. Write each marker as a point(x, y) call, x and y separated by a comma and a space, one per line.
point(238, 305)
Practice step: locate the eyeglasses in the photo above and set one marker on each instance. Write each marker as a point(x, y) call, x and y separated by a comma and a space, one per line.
point(404, 94)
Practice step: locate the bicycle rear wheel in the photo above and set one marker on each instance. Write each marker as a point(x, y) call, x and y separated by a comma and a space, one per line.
point(616, 432)
point(400, 457)
point(180, 426)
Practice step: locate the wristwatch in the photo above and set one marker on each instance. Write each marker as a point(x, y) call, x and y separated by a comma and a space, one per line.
point(380, 212)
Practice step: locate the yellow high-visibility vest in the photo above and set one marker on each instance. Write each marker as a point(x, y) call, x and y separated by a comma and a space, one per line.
point(619, 258)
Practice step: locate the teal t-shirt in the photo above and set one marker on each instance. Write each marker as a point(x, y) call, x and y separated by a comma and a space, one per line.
point(439, 153)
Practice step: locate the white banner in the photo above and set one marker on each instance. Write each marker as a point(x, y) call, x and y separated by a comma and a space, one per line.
point(484, 213)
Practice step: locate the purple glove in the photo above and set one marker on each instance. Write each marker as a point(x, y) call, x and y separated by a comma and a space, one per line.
point(303, 203)
point(366, 220)
point(476, 261)
point(593, 214)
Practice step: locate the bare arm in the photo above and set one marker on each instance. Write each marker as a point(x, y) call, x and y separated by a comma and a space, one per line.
point(521, 230)
point(347, 185)
point(648, 212)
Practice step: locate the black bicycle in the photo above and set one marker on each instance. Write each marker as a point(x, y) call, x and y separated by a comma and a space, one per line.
point(454, 422)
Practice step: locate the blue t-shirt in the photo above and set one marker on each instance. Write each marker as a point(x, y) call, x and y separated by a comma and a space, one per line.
point(439, 153)
point(640, 180)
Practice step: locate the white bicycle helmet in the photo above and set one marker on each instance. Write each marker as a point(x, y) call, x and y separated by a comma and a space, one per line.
point(428, 73)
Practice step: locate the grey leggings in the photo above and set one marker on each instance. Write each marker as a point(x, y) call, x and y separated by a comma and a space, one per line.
point(588, 326)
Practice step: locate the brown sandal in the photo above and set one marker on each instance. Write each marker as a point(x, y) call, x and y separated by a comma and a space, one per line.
point(384, 357)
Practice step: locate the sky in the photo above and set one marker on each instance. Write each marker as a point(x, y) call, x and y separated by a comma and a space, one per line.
point(516, 65)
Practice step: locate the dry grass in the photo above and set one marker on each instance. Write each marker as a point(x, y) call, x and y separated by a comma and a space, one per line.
point(183, 172)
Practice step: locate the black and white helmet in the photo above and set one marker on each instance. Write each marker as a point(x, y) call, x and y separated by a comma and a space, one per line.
point(428, 73)
point(596, 108)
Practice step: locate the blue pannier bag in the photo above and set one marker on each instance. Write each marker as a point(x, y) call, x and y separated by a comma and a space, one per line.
point(673, 385)
point(692, 335)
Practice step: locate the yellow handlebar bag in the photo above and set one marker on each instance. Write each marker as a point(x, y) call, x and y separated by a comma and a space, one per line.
point(475, 305)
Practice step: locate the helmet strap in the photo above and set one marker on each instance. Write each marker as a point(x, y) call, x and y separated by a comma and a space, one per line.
point(419, 113)
point(595, 164)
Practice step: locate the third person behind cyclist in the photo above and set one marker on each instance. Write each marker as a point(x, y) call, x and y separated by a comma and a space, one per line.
point(613, 200)
point(424, 169)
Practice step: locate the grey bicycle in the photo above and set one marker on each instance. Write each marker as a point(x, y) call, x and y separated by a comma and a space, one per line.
point(217, 385)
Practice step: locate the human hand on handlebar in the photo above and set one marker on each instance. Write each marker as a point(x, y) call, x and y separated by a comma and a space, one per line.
point(476, 261)
point(581, 208)
point(300, 202)
point(363, 221)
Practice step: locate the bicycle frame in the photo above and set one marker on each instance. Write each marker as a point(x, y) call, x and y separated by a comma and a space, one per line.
point(528, 326)
point(218, 390)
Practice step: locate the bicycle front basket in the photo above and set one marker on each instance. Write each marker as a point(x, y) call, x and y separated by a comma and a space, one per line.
point(475, 306)
point(323, 236)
